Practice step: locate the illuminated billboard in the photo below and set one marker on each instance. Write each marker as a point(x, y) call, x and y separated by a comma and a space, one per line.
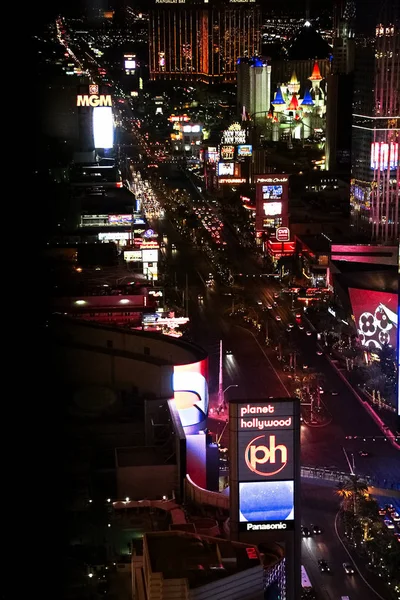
point(384, 155)
point(103, 127)
point(245, 150)
point(227, 152)
point(120, 219)
point(234, 135)
point(130, 62)
point(226, 168)
point(190, 385)
point(376, 317)
point(232, 180)
point(267, 464)
point(272, 194)
point(272, 208)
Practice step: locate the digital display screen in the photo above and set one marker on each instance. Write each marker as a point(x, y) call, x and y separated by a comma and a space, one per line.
point(266, 501)
point(227, 152)
point(226, 168)
point(272, 208)
point(245, 150)
point(130, 64)
point(376, 317)
point(103, 127)
point(265, 448)
point(272, 192)
point(120, 219)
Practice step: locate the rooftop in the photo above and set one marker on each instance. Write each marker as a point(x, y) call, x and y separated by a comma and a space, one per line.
point(199, 559)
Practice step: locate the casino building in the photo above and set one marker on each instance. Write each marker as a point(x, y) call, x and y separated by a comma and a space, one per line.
point(197, 40)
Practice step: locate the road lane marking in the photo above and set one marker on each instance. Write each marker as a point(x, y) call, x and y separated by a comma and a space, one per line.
point(270, 363)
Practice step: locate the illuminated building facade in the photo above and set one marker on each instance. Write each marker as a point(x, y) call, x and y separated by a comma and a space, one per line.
point(198, 40)
point(296, 114)
point(254, 87)
point(340, 92)
point(376, 120)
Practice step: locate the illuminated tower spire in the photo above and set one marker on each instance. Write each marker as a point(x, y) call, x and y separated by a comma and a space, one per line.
point(294, 84)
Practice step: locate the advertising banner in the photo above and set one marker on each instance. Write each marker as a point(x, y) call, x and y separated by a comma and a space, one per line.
point(245, 150)
point(272, 193)
point(226, 168)
point(266, 466)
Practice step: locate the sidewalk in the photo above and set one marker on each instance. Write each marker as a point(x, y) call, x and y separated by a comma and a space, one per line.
point(343, 375)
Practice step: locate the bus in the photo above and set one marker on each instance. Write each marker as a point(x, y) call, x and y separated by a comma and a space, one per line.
point(307, 590)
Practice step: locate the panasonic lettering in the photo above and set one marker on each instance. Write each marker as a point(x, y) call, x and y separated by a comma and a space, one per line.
point(94, 100)
point(265, 526)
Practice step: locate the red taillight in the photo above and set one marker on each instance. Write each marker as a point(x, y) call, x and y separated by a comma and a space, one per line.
point(119, 184)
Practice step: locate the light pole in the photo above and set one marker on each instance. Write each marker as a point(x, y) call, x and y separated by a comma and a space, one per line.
point(222, 402)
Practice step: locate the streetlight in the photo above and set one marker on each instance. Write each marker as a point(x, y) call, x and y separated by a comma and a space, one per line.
point(222, 402)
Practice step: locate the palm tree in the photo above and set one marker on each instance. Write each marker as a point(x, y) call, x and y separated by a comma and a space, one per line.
point(352, 488)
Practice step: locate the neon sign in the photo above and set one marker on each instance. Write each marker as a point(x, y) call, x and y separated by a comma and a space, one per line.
point(384, 155)
point(232, 180)
point(94, 100)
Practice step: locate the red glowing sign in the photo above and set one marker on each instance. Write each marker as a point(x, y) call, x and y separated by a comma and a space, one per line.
point(282, 234)
point(252, 553)
point(376, 317)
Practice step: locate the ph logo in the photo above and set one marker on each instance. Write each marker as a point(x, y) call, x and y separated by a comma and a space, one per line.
point(258, 454)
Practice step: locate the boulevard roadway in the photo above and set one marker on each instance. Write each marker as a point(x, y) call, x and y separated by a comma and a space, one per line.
point(250, 368)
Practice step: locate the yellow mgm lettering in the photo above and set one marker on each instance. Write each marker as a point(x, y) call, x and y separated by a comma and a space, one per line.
point(85, 100)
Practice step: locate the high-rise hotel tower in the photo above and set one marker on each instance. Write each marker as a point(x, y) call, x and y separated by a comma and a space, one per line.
point(376, 123)
point(201, 40)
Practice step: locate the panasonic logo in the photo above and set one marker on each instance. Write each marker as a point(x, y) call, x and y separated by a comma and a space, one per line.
point(265, 526)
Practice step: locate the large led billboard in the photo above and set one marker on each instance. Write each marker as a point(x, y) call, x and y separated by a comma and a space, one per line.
point(384, 155)
point(272, 193)
point(226, 168)
point(103, 127)
point(245, 150)
point(272, 208)
point(266, 466)
point(376, 317)
point(120, 219)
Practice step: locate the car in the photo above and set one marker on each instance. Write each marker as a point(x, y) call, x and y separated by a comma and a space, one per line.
point(278, 318)
point(298, 315)
point(390, 507)
point(349, 569)
point(290, 326)
point(363, 453)
point(319, 352)
point(397, 536)
point(301, 326)
point(395, 516)
point(323, 566)
point(276, 294)
point(173, 247)
point(305, 367)
point(309, 332)
point(228, 352)
point(200, 297)
point(305, 532)
point(316, 529)
point(269, 306)
point(259, 302)
point(382, 511)
point(388, 523)
point(334, 393)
